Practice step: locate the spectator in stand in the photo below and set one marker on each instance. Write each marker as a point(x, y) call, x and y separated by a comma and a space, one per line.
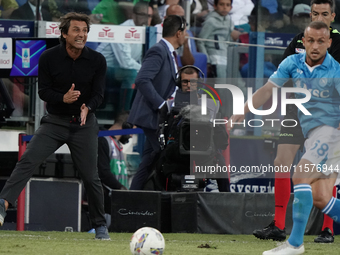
point(54, 10)
point(79, 6)
point(115, 12)
point(210, 5)
point(268, 68)
point(278, 18)
point(218, 26)
point(199, 11)
point(28, 12)
point(239, 14)
point(162, 7)
point(295, 2)
point(156, 19)
point(7, 6)
point(128, 56)
point(124, 60)
point(58, 8)
point(260, 19)
point(299, 20)
point(184, 51)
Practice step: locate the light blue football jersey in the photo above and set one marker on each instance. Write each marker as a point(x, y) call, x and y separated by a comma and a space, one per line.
point(323, 83)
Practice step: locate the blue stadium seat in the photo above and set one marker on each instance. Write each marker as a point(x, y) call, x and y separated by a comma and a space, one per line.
point(92, 45)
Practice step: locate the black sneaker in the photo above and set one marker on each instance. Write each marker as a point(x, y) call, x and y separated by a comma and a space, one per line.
point(102, 233)
point(2, 211)
point(326, 236)
point(271, 232)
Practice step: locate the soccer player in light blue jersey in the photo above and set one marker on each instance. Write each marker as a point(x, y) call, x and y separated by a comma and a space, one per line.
point(316, 71)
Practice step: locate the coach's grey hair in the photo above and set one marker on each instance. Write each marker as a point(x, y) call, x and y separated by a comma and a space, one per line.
point(65, 22)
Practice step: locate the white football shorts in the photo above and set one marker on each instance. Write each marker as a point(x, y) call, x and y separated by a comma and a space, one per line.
point(323, 149)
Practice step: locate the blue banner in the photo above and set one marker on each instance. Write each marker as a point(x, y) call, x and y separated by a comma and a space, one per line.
point(16, 28)
point(278, 39)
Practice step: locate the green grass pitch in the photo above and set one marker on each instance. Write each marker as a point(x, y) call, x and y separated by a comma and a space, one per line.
point(69, 243)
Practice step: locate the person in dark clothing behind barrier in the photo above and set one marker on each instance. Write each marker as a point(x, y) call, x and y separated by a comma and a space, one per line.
point(28, 12)
point(155, 83)
point(111, 163)
point(71, 82)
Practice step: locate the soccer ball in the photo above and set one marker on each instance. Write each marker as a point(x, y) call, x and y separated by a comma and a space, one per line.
point(147, 241)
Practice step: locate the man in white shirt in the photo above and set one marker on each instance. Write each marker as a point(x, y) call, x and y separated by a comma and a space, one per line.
point(124, 61)
point(239, 14)
point(128, 56)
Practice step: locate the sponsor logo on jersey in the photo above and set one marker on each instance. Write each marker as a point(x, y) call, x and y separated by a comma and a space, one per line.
point(298, 50)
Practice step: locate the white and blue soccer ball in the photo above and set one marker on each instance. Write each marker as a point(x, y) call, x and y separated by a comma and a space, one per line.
point(147, 241)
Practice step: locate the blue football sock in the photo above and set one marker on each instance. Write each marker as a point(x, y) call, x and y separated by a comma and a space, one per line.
point(332, 209)
point(302, 205)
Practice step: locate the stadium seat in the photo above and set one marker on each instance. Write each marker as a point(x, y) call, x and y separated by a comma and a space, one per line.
point(92, 45)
